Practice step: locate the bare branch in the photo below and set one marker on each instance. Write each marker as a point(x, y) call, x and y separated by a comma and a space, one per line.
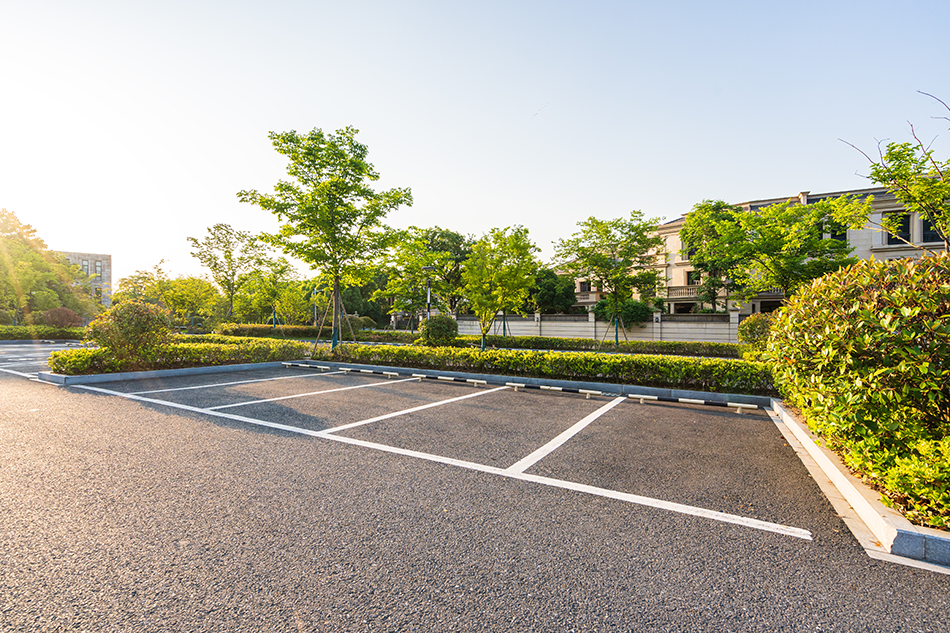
point(858, 149)
point(936, 99)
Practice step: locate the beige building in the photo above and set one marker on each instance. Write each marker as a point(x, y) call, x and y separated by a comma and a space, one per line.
point(100, 267)
point(682, 281)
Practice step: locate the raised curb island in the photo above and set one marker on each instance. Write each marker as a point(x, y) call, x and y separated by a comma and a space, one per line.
point(896, 534)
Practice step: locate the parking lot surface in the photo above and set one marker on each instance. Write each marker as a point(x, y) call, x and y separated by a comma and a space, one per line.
point(299, 500)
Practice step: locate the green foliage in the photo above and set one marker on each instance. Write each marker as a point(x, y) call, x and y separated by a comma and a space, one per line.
point(420, 256)
point(701, 374)
point(754, 330)
point(34, 279)
point(40, 333)
point(778, 246)
point(553, 293)
point(616, 255)
point(917, 179)
point(632, 312)
point(131, 331)
point(229, 256)
point(330, 216)
point(438, 331)
point(499, 274)
point(179, 353)
point(864, 353)
point(360, 327)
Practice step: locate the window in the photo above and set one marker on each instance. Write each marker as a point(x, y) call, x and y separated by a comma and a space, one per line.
point(85, 266)
point(930, 232)
point(902, 236)
point(693, 278)
point(585, 286)
point(99, 272)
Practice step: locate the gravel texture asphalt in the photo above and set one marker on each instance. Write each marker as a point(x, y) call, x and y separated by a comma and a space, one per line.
point(120, 515)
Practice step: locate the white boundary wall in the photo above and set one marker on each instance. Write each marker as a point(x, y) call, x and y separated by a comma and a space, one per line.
point(705, 328)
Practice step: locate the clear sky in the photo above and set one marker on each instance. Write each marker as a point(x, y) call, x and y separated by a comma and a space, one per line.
point(127, 126)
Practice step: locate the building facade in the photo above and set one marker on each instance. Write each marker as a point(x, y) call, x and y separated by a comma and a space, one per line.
point(682, 281)
point(99, 266)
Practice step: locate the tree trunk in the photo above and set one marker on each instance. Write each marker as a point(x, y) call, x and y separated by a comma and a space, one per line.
point(335, 333)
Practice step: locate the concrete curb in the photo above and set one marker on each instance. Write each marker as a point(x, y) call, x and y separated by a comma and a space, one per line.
point(60, 379)
point(895, 534)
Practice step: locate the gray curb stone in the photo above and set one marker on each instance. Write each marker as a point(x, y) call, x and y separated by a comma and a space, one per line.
point(60, 379)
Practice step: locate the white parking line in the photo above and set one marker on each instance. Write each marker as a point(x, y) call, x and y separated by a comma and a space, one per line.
point(532, 459)
point(312, 393)
point(236, 382)
point(412, 410)
point(547, 481)
point(19, 373)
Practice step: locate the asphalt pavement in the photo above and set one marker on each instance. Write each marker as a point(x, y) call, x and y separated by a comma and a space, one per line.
point(402, 505)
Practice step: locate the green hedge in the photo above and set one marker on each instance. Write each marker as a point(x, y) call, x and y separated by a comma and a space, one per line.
point(675, 348)
point(178, 355)
point(865, 354)
point(698, 374)
point(39, 332)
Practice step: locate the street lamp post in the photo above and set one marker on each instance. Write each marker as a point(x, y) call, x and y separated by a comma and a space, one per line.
point(428, 291)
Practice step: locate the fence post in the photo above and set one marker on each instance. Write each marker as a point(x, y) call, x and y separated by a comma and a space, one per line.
point(657, 326)
point(734, 325)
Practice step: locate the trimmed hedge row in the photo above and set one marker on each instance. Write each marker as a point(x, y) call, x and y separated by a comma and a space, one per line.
point(178, 355)
point(39, 332)
point(675, 348)
point(699, 374)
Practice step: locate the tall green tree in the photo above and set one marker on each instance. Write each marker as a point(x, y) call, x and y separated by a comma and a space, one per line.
point(228, 255)
point(917, 178)
point(423, 257)
point(710, 225)
point(499, 275)
point(618, 255)
point(331, 218)
point(781, 246)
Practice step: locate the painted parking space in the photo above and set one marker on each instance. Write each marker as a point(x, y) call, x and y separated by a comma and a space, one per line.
point(490, 429)
point(498, 429)
point(694, 455)
point(27, 359)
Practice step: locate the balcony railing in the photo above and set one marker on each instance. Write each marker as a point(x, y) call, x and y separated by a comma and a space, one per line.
point(691, 292)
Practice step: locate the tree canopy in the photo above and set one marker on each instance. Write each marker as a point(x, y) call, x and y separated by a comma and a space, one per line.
point(616, 255)
point(420, 256)
point(228, 255)
point(499, 274)
point(331, 218)
point(34, 279)
point(781, 246)
point(918, 179)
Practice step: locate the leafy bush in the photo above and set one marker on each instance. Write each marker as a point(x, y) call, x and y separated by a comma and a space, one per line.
point(39, 332)
point(701, 374)
point(132, 331)
point(754, 330)
point(59, 317)
point(865, 353)
point(632, 312)
point(197, 351)
point(438, 331)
